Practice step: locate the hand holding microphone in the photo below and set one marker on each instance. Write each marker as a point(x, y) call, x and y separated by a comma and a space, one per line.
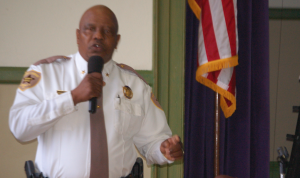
point(91, 86)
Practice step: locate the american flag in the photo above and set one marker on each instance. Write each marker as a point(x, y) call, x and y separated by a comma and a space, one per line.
point(217, 48)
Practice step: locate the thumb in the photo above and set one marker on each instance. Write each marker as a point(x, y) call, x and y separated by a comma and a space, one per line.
point(176, 139)
point(164, 145)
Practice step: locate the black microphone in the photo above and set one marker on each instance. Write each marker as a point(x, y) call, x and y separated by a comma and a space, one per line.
point(95, 64)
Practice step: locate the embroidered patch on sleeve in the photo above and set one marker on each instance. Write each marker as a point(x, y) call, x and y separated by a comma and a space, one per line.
point(30, 79)
point(155, 102)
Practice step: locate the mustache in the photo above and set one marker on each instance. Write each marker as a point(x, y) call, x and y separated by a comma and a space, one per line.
point(99, 43)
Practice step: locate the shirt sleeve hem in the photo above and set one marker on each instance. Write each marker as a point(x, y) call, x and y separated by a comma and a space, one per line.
point(64, 103)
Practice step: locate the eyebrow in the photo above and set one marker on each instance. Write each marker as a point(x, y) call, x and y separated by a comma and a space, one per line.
point(113, 28)
point(88, 25)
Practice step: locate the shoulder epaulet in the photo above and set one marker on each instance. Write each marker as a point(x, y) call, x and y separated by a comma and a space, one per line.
point(126, 67)
point(50, 60)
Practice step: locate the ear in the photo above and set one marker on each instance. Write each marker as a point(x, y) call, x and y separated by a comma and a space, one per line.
point(77, 35)
point(117, 40)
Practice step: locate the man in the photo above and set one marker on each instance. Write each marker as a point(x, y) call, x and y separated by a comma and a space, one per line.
point(51, 105)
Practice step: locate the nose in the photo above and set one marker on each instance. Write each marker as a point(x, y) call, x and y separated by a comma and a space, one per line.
point(98, 35)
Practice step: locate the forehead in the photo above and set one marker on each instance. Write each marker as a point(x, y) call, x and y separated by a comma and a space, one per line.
point(98, 17)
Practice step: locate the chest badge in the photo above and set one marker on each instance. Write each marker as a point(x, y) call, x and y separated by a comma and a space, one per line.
point(127, 92)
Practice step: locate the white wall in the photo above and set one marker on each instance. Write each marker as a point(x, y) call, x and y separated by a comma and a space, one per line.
point(35, 29)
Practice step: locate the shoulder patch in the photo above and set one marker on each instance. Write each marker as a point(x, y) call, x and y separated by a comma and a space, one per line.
point(50, 60)
point(30, 79)
point(155, 102)
point(126, 67)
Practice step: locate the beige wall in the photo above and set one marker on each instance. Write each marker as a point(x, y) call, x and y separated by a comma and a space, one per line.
point(13, 154)
point(284, 4)
point(284, 82)
point(32, 30)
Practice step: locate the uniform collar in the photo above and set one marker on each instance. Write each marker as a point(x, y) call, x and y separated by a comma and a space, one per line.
point(82, 66)
point(108, 66)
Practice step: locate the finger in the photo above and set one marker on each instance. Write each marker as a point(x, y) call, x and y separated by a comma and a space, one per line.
point(96, 92)
point(174, 139)
point(176, 154)
point(177, 138)
point(169, 157)
point(92, 87)
point(166, 144)
point(96, 75)
point(178, 157)
point(176, 147)
point(164, 147)
point(98, 80)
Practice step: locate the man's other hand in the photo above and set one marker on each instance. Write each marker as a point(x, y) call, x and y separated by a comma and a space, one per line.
point(172, 148)
point(90, 87)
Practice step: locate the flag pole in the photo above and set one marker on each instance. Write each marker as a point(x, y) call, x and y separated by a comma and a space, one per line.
point(217, 136)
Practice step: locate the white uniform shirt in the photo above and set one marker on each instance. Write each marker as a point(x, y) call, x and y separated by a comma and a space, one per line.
point(63, 130)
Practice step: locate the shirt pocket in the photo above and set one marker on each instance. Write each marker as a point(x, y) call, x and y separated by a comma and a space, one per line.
point(128, 117)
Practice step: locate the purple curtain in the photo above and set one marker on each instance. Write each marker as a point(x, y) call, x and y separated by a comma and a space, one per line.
point(244, 151)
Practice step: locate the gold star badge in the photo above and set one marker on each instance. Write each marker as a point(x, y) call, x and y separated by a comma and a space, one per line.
point(127, 92)
point(83, 72)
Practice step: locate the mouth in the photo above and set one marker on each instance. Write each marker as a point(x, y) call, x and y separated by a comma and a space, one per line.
point(97, 47)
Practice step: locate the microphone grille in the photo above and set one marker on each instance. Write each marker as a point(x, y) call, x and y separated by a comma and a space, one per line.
point(95, 64)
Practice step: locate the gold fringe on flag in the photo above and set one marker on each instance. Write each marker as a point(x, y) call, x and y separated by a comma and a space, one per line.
point(195, 8)
point(228, 111)
point(215, 66)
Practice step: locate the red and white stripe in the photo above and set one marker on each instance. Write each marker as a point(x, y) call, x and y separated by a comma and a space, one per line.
point(218, 47)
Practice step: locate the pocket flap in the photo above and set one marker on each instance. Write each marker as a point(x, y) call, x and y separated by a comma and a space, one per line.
point(128, 107)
